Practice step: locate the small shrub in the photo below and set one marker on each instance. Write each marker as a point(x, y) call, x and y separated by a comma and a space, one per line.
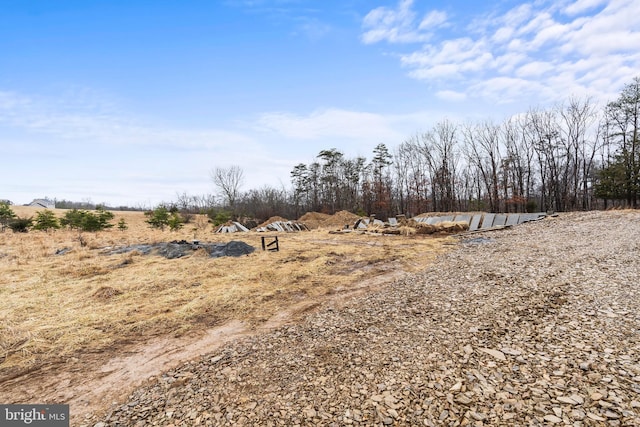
point(87, 221)
point(104, 217)
point(158, 218)
point(72, 219)
point(175, 221)
point(21, 225)
point(122, 225)
point(218, 217)
point(6, 215)
point(46, 220)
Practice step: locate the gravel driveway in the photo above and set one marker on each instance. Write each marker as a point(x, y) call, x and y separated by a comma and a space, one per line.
point(534, 325)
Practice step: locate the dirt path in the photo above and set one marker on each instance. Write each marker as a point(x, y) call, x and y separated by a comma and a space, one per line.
point(91, 383)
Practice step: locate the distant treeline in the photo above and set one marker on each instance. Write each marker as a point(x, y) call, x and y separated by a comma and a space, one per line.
point(67, 204)
point(574, 156)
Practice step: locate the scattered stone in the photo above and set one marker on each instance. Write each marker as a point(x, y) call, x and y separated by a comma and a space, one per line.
point(595, 417)
point(495, 353)
point(552, 419)
point(571, 400)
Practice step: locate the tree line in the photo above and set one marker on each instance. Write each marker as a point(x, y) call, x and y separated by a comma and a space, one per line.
point(573, 156)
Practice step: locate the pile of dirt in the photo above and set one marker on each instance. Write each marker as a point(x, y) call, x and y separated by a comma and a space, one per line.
point(340, 220)
point(313, 219)
point(272, 220)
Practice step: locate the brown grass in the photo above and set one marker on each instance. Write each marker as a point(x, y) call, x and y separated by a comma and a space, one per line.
point(56, 306)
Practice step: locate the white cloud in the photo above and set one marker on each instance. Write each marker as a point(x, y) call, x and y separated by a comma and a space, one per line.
point(433, 19)
point(505, 90)
point(400, 25)
point(330, 123)
point(541, 49)
point(534, 69)
point(451, 59)
point(551, 33)
point(503, 34)
point(437, 71)
point(451, 95)
point(518, 15)
point(582, 6)
point(507, 63)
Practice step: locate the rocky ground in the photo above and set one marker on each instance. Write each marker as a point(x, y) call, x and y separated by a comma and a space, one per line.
point(535, 325)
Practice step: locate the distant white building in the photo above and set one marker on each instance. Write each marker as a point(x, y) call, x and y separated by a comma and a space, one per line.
point(43, 203)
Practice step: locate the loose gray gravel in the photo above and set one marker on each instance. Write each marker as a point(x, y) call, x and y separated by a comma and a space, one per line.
point(530, 326)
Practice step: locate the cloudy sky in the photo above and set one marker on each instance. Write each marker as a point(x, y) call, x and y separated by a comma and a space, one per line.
point(133, 101)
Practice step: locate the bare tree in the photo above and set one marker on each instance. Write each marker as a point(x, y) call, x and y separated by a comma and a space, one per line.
point(578, 117)
point(482, 146)
point(440, 150)
point(229, 180)
point(520, 155)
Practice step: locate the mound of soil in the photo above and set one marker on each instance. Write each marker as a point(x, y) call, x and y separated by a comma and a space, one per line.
point(313, 219)
point(340, 219)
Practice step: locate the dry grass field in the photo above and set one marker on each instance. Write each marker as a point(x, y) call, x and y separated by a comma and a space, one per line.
point(57, 307)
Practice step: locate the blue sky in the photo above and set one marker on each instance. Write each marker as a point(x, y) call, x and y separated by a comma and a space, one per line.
point(131, 102)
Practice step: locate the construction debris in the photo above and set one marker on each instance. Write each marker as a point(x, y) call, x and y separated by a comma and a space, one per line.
point(482, 221)
point(366, 223)
point(430, 223)
point(284, 226)
point(231, 227)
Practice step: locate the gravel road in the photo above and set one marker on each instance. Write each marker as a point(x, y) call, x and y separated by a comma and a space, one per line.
point(534, 325)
